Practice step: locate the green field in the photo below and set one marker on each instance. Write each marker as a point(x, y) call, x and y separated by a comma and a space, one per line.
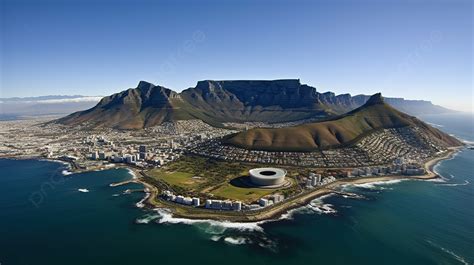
point(197, 176)
point(181, 179)
point(248, 195)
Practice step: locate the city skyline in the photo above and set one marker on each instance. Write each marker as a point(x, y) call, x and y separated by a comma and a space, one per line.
point(401, 49)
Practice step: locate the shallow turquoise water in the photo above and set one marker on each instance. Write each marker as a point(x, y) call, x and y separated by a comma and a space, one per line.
point(44, 219)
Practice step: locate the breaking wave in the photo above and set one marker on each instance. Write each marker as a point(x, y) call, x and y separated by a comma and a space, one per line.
point(209, 226)
point(131, 173)
point(66, 172)
point(141, 203)
point(237, 240)
point(147, 218)
point(450, 252)
point(377, 185)
point(315, 206)
point(466, 182)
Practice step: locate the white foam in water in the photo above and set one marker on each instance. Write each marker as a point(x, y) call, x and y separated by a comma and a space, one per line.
point(141, 203)
point(132, 173)
point(215, 238)
point(66, 172)
point(445, 250)
point(148, 218)
point(83, 190)
point(466, 182)
point(315, 206)
point(237, 240)
point(439, 180)
point(375, 185)
point(166, 217)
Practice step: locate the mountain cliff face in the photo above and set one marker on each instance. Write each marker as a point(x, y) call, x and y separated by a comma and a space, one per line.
point(145, 106)
point(269, 101)
point(375, 114)
point(216, 102)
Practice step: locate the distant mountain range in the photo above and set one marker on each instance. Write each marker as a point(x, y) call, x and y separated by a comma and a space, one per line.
point(343, 130)
point(216, 102)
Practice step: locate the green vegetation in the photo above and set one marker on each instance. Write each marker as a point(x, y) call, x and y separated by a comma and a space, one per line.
point(196, 175)
point(341, 131)
point(181, 179)
point(244, 194)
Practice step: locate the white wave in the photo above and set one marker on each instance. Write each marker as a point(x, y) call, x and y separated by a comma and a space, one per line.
point(437, 180)
point(307, 209)
point(147, 218)
point(141, 203)
point(215, 238)
point(83, 190)
point(66, 172)
point(376, 185)
point(450, 252)
point(115, 195)
point(237, 240)
point(210, 226)
point(466, 182)
point(132, 173)
point(323, 209)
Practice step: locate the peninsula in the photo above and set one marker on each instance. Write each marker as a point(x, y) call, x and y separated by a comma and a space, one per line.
point(241, 151)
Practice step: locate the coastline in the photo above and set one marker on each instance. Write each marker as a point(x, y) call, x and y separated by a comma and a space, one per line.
point(152, 201)
point(276, 211)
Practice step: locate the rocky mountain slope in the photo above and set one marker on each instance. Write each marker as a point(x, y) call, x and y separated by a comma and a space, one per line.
point(343, 130)
point(216, 102)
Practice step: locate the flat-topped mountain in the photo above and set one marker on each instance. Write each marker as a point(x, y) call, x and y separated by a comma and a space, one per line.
point(216, 102)
point(343, 130)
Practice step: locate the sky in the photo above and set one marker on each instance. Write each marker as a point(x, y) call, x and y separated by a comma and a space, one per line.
point(412, 49)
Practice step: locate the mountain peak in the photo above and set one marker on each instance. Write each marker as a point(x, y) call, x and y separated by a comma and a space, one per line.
point(144, 85)
point(375, 99)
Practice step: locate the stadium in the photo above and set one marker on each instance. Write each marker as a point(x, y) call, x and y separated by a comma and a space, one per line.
point(268, 177)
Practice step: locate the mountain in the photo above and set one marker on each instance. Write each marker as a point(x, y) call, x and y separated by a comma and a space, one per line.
point(343, 130)
point(269, 101)
point(216, 102)
point(145, 106)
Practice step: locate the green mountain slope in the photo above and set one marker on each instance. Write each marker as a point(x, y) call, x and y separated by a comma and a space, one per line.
point(375, 114)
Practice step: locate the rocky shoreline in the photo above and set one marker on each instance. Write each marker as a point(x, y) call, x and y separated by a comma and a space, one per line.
point(152, 201)
point(279, 209)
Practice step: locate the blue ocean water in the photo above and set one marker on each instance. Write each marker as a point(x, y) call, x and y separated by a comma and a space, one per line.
point(45, 219)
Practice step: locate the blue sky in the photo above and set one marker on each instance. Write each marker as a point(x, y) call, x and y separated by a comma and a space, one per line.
point(413, 49)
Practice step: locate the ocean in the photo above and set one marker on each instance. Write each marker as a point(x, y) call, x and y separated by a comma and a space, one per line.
point(50, 217)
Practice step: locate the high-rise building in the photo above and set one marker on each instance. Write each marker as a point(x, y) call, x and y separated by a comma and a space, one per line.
point(142, 149)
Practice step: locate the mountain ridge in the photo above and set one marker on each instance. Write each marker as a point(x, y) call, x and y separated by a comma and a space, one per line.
point(343, 130)
point(216, 102)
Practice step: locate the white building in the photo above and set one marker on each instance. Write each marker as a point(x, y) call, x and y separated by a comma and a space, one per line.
point(263, 202)
point(196, 201)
